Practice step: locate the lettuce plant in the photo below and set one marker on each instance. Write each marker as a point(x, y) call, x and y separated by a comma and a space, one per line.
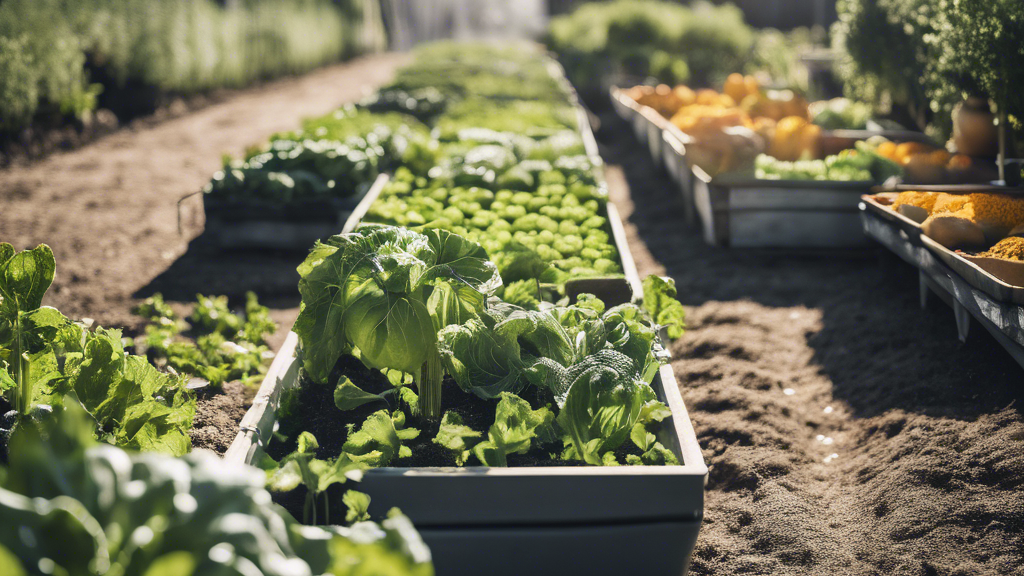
point(71, 506)
point(596, 363)
point(383, 293)
point(44, 356)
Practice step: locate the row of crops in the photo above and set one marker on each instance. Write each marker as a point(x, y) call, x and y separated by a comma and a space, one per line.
point(479, 314)
point(58, 57)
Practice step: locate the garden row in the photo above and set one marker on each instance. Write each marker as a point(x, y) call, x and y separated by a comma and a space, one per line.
point(452, 325)
point(58, 58)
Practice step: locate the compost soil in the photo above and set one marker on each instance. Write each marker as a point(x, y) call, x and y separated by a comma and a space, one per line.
point(314, 411)
point(218, 412)
point(847, 431)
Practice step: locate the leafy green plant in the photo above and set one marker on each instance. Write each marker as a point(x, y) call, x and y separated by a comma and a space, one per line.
point(861, 164)
point(661, 303)
point(70, 506)
point(384, 292)
point(896, 29)
point(176, 46)
point(516, 424)
point(664, 40)
point(977, 47)
point(227, 346)
point(44, 356)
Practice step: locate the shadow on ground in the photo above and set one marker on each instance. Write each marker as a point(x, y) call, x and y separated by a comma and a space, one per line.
point(203, 268)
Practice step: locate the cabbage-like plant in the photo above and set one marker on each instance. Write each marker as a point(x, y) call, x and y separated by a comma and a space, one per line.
point(382, 293)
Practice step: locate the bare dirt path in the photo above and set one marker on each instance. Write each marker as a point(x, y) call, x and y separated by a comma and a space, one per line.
point(109, 210)
point(846, 430)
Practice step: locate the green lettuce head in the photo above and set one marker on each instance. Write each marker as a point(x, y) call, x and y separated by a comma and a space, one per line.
point(383, 292)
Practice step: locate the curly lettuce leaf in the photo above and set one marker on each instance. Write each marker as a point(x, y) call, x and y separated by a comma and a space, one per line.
point(661, 303)
point(454, 435)
point(604, 401)
point(516, 424)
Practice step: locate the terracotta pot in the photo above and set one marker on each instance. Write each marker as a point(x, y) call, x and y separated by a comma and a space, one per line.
point(974, 128)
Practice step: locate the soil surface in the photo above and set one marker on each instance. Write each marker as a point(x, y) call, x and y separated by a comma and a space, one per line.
point(218, 413)
point(847, 431)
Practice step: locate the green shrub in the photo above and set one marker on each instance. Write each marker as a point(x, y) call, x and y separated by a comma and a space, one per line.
point(180, 46)
point(647, 37)
point(19, 84)
point(48, 45)
point(883, 53)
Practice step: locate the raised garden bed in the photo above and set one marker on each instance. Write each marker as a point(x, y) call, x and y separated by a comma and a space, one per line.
point(753, 213)
point(545, 518)
point(254, 223)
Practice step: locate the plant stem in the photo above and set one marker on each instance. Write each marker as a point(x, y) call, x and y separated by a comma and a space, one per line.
point(431, 377)
point(20, 377)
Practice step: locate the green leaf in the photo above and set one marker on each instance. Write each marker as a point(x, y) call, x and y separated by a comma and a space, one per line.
point(603, 403)
point(462, 261)
point(307, 444)
point(518, 262)
point(658, 455)
point(348, 396)
point(515, 425)
point(643, 439)
point(358, 505)
point(522, 293)
point(98, 371)
point(339, 471)
point(661, 303)
point(25, 277)
point(9, 563)
point(179, 563)
point(457, 437)
point(86, 509)
point(501, 350)
point(375, 293)
point(376, 442)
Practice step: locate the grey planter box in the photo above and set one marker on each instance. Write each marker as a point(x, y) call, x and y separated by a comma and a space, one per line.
point(543, 520)
point(666, 144)
point(236, 224)
point(750, 213)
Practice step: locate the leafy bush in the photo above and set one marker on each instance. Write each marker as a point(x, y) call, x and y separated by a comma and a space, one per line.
point(46, 360)
point(637, 37)
point(978, 47)
point(178, 46)
point(19, 84)
point(884, 55)
point(52, 59)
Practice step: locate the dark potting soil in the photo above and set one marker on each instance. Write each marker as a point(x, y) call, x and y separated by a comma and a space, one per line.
point(314, 411)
